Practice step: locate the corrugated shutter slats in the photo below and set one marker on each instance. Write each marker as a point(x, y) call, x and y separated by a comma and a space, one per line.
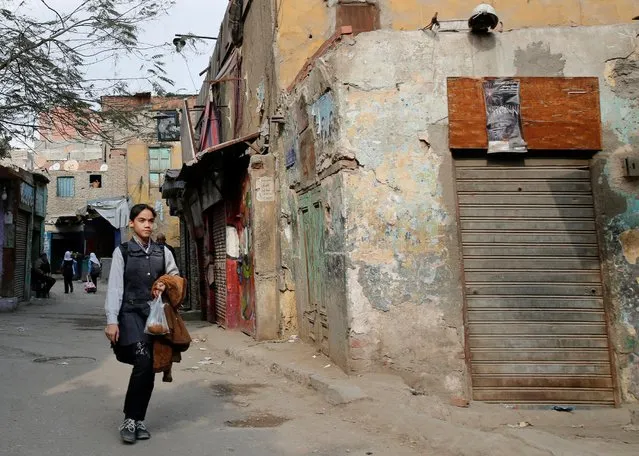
point(534, 308)
point(22, 226)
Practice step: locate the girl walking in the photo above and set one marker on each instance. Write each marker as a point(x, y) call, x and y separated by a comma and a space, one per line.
point(95, 268)
point(136, 265)
point(68, 271)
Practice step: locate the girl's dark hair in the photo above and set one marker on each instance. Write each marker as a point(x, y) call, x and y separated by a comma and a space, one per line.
point(137, 210)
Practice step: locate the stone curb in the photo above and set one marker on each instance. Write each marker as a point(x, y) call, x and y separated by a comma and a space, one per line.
point(335, 392)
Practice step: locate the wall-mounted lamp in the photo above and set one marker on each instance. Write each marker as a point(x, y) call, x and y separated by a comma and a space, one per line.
point(180, 40)
point(4, 193)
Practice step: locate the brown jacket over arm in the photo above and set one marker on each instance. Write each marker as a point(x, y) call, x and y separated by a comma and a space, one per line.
point(167, 349)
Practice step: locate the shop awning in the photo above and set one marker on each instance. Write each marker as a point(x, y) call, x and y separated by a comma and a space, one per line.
point(114, 210)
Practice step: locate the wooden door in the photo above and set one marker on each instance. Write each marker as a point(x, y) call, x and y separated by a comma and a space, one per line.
point(315, 316)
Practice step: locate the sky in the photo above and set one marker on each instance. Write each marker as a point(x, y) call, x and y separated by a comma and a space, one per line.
point(197, 17)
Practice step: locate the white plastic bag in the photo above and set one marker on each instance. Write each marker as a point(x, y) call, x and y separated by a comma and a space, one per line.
point(156, 324)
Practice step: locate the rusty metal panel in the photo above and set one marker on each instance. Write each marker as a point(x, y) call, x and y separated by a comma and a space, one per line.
point(525, 342)
point(534, 264)
point(554, 250)
point(363, 17)
point(556, 113)
point(535, 302)
point(531, 225)
point(535, 212)
point(536, 324)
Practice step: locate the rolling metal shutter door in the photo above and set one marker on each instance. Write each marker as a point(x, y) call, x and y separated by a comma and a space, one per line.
point(536, 327)
point(219, 240)
point(22, 227)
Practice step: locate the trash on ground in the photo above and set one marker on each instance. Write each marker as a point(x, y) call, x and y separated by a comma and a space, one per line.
point(577, 426)
point(521, 424)
point(207, 358)
point(459, 401)
point(327, 366)
point(293, 338)
point(415, 392)
point(62, 363)
point(202, 348)
point(195, 341)
point(20, 329)
point(192, 368)
point(558, 408)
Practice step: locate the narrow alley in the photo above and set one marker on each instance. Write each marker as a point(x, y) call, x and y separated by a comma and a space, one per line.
point(63, 390)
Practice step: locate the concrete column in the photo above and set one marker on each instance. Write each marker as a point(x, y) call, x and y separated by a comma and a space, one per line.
point(264, 228)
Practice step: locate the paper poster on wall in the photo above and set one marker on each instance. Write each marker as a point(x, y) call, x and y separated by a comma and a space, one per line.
point(265, 187)
point(503, 116)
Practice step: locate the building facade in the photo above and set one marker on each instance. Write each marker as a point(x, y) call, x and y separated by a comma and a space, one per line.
point(366, 211)
point(94, 183)
point(23, 197)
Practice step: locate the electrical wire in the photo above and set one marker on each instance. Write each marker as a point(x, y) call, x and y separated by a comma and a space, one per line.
point(188, 68)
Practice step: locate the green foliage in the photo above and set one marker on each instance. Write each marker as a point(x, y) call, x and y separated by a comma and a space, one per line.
point(45, 57)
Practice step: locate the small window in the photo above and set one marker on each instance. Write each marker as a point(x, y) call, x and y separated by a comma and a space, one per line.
point(66, 187)
point(159, 162)
point(95, 181)
point(363, 17)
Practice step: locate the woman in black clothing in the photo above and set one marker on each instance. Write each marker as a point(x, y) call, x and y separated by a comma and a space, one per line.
point(68, 271)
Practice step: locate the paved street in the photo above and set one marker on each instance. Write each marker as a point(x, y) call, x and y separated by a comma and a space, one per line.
point(62, 394)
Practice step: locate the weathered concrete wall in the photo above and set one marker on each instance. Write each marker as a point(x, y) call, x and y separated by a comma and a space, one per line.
point(302, 27)
point(617, 199)
point(258, 67)
point(402, 250)
point(265, 243)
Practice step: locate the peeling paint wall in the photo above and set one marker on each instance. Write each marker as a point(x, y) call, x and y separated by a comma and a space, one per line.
point(396, 198)
point(302, 27)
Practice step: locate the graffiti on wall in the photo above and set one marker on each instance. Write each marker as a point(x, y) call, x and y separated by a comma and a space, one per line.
point(323, 112)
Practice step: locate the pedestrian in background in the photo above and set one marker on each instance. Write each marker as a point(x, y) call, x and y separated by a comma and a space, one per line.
point(161, 239)
point(41, 271)
point(68, 267)
point(136, 265)
point(95, 269)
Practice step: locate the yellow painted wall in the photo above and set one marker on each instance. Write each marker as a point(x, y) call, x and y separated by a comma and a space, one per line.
point(139, 189)
point(298, 21)
point(302, 28)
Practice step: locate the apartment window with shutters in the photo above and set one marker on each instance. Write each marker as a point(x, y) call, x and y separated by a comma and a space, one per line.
point(159, 162)
point(65, 187)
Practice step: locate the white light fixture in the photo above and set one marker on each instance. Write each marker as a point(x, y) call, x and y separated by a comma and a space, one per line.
point(4, 194)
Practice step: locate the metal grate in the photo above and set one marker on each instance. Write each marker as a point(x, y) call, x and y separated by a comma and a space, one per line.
point(536, 326)
point(219, 241)
point(22, 226)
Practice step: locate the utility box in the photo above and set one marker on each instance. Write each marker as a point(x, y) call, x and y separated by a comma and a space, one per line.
point(632, 166)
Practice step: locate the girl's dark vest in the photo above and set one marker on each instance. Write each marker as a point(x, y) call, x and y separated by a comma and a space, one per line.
point(141, 270)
